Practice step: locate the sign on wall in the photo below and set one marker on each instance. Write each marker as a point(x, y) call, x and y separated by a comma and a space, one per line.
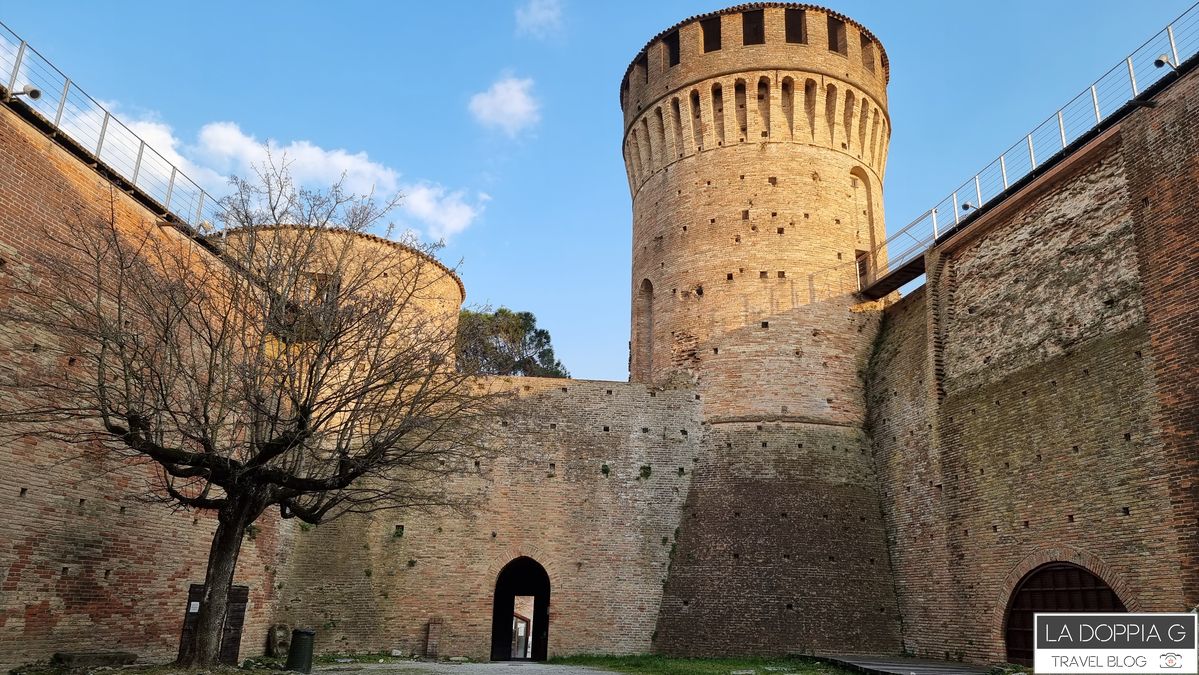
point(1116, 643)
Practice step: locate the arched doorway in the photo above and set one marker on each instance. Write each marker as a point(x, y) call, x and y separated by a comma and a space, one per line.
point(523, 578)
point(1052, 587)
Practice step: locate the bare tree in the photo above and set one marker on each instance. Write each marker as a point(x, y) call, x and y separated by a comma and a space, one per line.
point(291, 361)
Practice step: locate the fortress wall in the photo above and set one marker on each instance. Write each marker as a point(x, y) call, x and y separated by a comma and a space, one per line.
point(1162, 162)
point(82, 564)
point(604, 538)
point(909, 469)
point(782, 547)
point(1041, 435)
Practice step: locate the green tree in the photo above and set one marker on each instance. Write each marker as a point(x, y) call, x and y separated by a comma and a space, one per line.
point(505, 342)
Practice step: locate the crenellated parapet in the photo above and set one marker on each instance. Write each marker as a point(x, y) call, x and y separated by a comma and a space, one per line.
point(756, 73)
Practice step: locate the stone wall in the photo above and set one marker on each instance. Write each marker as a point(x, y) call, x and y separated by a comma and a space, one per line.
point(83, 564)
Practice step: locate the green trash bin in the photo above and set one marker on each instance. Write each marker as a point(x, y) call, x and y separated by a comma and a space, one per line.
point(299, 656)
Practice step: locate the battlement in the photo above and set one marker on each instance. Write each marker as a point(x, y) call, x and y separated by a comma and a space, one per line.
point(762, 36)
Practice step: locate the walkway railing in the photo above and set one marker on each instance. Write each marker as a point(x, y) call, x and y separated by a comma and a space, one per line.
point(1155, 59)
point(82, 119)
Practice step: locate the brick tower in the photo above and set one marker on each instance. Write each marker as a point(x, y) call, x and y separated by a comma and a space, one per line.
point(755, 142)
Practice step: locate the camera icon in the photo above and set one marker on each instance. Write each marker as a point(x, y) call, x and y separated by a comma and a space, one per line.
point(1171, 660)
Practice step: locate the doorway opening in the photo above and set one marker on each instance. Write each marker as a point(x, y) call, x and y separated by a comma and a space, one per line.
point(1052, 587)
point(520, 613)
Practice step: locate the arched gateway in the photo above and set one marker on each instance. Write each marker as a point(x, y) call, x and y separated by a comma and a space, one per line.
point(518, 631)
point(1052, 587)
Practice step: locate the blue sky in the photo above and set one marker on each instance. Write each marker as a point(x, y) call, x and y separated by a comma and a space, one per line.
point(500, 121)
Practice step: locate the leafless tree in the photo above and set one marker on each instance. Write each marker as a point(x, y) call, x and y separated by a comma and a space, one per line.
point(290, 361)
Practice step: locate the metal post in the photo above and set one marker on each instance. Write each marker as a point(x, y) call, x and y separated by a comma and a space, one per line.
point(170, 188)
point(137, 166)
point(1032, 155)
point(1061, 128)
point(1173, 47)
point(62, 102)
point(1095, 100)
point(1003, 170)
point(935, 233)
point(103, 130)
point(16, 70)
point(978, 193)
point(200, 207)
point(956, 216)
point(1132, 77)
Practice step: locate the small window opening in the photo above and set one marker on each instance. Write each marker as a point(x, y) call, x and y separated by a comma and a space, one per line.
point(796, 26)
point(399, 531)
point(711, 31)
point(729, 276)
point(753, 27)
point(836, 36)
point(745, 214)
point(868, 53)
point(763, 274)
point(671, 42)
point(765, 324)
point(773, 180)
point(781, 230)
point(782, 274)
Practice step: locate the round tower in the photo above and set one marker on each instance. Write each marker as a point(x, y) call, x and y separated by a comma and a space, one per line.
point(755, 142)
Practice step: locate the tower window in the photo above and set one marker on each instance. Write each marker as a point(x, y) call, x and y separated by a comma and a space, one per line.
point(711, 30)
point(671, 42)
point(868, 53)
point(836, 36)
point(753, 27)
point(643, 66)
point(797, 26)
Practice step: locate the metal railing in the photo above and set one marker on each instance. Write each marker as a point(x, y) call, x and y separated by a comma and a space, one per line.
point(1178, 42)
point(82, 119)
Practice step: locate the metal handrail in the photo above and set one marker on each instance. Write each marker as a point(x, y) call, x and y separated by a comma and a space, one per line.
point(1179, 41)
point(73, 113)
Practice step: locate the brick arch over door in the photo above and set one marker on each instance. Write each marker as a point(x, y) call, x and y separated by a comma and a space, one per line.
point(1057, 554)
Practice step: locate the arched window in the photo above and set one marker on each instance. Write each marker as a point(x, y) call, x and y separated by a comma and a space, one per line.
point(643, 333)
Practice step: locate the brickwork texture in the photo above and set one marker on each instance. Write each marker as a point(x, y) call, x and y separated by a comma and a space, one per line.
point(791, 468)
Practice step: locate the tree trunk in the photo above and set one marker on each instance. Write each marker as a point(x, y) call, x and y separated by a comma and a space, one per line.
point(204, 647)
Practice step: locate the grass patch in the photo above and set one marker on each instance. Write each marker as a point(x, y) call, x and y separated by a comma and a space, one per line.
point(662, 665)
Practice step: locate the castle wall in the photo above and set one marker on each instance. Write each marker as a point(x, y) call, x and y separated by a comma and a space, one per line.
point(1015, 403)
point(83, 565)
point(589, 480)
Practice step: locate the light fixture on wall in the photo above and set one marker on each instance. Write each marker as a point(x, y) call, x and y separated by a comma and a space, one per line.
point(1165, 60)
point(29, 90)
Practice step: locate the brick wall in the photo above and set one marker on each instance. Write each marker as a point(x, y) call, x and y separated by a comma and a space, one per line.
point(84, 565)
point(1030, 404)
point(1162, 160)
point(589, 481)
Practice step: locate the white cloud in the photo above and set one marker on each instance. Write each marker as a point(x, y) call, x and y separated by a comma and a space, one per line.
point(539, 18)
point(228, 149)
point(442, 212)
point(507, 105)
point(223, 149)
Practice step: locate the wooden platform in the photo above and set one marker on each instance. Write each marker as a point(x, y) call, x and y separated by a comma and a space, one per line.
point(899, 665)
